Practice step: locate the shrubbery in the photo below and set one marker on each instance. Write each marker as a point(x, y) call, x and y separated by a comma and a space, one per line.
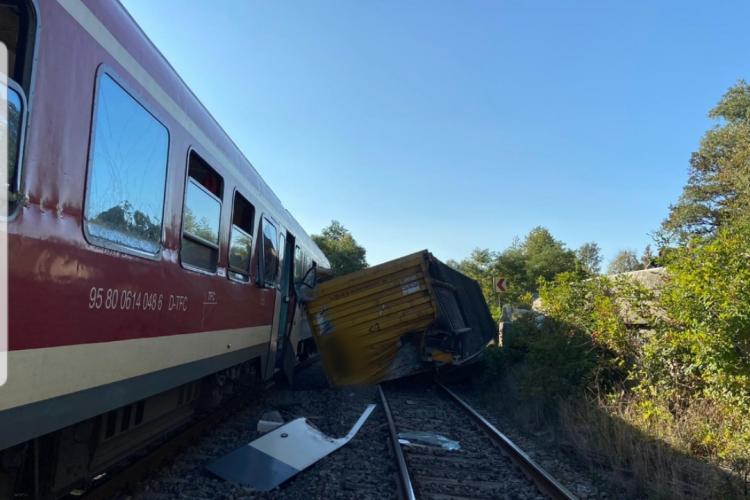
point(673, 365)
point(699, 355)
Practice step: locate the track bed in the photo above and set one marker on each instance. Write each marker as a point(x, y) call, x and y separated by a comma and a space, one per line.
point(477, 470)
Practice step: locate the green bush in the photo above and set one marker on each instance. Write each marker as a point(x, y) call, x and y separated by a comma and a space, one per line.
point(699, 355)
point(667, 357)
point(593, 312)
point(703, 345)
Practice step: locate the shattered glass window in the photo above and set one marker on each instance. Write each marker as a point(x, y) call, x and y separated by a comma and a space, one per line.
point(127, 172)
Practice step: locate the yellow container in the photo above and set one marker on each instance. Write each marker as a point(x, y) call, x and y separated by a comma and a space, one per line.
point(359, 320)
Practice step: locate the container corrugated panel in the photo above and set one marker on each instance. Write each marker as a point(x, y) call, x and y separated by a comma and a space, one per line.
point(359, 319)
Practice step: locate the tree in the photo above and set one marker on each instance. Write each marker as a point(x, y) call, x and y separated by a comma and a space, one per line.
point(511, 265)
point(624, 261)
point(590, 257)
point(648, 259)
point(522, 264)
point(718, 187)
point(342, 250)
point(545, 257)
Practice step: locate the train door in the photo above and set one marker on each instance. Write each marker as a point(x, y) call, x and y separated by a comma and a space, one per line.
point(283, 295)
point(288, 302)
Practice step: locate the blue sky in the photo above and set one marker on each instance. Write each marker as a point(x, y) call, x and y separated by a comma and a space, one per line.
point(455, 125)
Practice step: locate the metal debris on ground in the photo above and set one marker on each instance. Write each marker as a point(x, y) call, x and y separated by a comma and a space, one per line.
point(427, 438)
point(277, 456)
point(269, 421)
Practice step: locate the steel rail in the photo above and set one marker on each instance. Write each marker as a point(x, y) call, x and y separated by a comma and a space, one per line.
point(544, 481)
point(406, 488)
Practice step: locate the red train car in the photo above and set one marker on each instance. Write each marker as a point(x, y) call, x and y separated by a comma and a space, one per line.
point(150, 265)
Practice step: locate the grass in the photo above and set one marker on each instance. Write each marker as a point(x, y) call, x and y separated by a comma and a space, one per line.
point(655, 459)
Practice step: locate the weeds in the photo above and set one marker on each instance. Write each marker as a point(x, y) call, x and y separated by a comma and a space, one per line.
point(653, 386)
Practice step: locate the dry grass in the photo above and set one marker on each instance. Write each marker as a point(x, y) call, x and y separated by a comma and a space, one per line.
point(647, 466)
point(610, 439)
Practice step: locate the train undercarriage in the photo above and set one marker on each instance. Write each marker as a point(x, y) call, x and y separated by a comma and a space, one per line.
point(71, 459)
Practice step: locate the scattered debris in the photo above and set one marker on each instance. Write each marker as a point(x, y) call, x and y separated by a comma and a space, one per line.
point(277, 456)
point(427, 438)
point(269, 421)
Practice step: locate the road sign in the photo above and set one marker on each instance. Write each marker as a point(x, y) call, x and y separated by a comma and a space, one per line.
point(500, 284)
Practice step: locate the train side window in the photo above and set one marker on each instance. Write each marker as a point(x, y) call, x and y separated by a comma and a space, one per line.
point(241, 238)
point(17, 33)
point(127, 177)
point(297, 263)
point(281, 253)
point(202, 216)
point(269, 264)
point(307, 275)
point(15, 125)
point(312, 278)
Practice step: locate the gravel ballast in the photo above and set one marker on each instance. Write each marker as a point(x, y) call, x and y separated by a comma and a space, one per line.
point(363, 468)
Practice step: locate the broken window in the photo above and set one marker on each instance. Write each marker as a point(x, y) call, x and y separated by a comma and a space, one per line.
point(127, 179)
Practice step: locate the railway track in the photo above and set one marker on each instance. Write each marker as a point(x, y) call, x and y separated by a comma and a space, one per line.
point(487, 465)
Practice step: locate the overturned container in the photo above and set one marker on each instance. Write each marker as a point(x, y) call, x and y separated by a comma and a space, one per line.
point(398, 318)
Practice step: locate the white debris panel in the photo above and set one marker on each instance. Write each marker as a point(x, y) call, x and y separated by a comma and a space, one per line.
point(271, 459)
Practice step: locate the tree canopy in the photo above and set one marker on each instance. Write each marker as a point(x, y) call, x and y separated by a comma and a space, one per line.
point(538, 255)
point(590, 257)
point(718, 187)
point(623, 262)
point(342, 250)
point(545, 256)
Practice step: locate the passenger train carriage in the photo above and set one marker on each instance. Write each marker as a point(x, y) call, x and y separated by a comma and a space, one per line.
point(151, 268)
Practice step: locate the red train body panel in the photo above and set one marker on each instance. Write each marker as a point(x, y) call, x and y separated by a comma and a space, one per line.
point(94, 328)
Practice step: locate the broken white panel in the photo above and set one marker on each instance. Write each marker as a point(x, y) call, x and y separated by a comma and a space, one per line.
point(270, 460)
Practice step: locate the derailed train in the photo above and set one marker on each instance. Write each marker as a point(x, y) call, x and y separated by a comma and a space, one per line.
point(150, 265)
point(399, 318)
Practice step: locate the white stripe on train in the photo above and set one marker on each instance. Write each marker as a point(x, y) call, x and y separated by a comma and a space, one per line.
point(39, 374)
